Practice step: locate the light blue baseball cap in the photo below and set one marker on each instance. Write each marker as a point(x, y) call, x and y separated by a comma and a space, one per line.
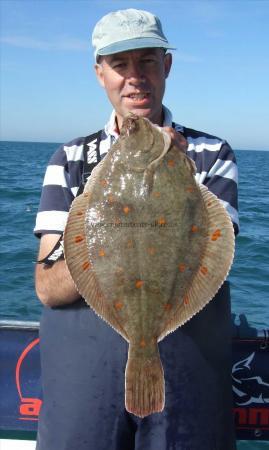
point(128, 29)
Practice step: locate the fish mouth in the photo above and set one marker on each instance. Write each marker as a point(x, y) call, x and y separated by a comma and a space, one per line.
point(129, 125)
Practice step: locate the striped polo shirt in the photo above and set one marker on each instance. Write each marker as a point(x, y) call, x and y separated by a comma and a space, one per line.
point(214, 159)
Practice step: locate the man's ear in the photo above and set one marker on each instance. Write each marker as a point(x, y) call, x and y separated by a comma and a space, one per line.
point(167, 63)
point(99, 74)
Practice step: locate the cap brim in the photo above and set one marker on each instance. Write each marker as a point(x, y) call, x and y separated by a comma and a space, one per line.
point(133, 44)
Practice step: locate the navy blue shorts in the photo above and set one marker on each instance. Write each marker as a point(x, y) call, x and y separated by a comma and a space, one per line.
point(83, 365)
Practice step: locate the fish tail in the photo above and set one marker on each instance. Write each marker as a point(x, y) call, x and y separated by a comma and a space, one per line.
point(144, 390)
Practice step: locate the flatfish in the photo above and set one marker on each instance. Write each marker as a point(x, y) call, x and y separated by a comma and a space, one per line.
point(147, 248)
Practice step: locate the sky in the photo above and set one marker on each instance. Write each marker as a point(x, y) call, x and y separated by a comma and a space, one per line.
point(219, 82)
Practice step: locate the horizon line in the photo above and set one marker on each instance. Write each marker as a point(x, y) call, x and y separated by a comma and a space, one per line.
point(63, 142)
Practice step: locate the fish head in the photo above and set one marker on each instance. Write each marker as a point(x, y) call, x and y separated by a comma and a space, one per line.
point(141, 142)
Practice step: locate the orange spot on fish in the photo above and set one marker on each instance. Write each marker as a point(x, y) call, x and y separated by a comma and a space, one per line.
point(204, 270)
point(151, 250)
point(139, 284)
point(186, 300)
point(130, 243)
point(182, 267)
point(167, 306)
point(86, 265)
point(171, 163)
point(118, 305)
point(209, 203)
point(194, 229)
point(79, 213)
point(156, 194)
point(190, 189)
point(111, 198)
point(102, 252)
point(104, 182)
point(161, 221)
point(126, 209)
point(215, 235)
point(78, 239)
point(142, 343)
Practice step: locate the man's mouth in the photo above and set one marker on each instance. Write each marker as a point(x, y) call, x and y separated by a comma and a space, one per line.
point(140, 96)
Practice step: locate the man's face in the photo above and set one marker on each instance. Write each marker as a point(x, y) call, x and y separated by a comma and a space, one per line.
point(135, 82)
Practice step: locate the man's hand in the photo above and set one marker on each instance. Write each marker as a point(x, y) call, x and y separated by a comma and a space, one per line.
point(177, 139)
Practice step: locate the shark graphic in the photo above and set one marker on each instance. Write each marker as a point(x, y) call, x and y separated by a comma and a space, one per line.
point(247, 386)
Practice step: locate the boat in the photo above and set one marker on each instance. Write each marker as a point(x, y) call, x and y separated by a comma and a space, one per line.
point(21, 392)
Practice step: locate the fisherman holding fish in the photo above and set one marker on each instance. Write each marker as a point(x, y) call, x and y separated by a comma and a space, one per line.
point(83, 359)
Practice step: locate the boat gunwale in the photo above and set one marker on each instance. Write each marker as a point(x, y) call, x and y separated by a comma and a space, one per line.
point(19, 325)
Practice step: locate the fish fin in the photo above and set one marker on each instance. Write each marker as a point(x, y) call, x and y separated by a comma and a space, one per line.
point(144, 384)
point(190, 164)
point(95, 174)
point(93, 177)
point(214, 266)
point(77, 260)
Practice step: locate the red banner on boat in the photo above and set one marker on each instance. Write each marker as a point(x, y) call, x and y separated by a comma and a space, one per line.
point(250, 375)
point(20, 384)
point(21, 395)
point(29, 406)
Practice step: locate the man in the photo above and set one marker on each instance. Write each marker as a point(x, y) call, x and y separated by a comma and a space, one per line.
point(82, 358)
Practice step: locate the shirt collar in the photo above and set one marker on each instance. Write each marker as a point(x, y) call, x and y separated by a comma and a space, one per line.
point(111, 128)
point(167, 117)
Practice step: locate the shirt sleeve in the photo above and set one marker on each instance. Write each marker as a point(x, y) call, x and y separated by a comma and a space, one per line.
point(222, 180)
point(61, 181)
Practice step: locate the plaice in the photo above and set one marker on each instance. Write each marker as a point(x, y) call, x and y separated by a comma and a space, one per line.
point(147, 248)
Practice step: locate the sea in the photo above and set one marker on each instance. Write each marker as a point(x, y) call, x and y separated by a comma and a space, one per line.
point(22, 169)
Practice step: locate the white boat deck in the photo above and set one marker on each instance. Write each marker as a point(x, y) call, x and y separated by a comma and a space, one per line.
point(13, 444)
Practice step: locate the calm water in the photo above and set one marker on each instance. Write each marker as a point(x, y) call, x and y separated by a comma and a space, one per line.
point(20, 184)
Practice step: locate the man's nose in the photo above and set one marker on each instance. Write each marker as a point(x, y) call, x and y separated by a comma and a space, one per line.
point(136, 73)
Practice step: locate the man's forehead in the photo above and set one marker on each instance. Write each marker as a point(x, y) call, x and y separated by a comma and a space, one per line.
point(138, 53)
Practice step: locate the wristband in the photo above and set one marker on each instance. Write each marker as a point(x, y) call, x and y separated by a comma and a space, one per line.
point(56, 254)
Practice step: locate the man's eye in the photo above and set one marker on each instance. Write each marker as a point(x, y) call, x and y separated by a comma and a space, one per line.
point(148, 60)
point(119, 66)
